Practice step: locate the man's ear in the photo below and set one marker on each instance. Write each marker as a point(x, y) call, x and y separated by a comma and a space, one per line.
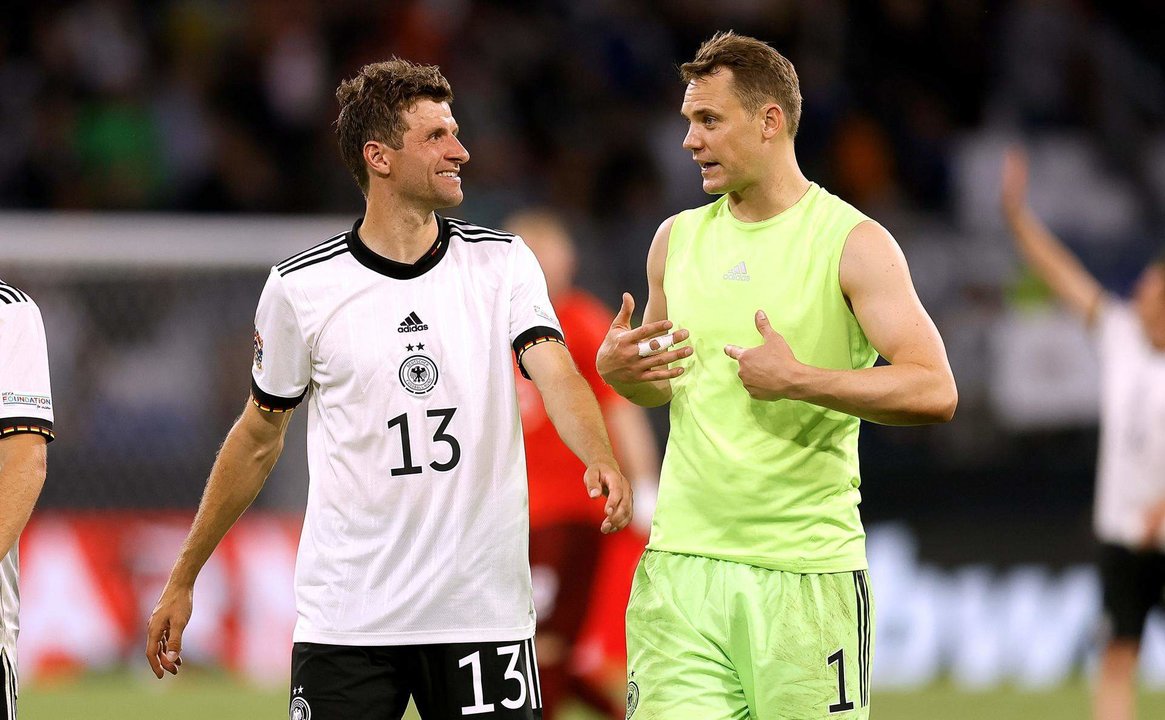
point(376, 158)
point(773, 118)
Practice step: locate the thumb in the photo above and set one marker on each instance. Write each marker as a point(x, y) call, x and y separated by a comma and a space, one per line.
point(174, 643)
point(592, 478)
point(733, 351)
point(623, 317)
point(763, 325)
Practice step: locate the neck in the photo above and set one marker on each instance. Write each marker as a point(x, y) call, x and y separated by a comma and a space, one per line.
point(396, 230)
point(778, 190)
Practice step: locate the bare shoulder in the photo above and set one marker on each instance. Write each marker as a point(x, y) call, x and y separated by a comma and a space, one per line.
point(871, 255)
point(662, 236)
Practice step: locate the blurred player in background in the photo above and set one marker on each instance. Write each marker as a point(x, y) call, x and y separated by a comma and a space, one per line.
point(26, 427)
point(752, 599)
point(413, 576)
point(1129, 516)
point(569, 562)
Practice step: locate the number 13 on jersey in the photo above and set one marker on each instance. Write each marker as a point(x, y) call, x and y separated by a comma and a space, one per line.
point(439, 419)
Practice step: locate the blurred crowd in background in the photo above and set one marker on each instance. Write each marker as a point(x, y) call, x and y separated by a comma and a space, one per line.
point(200, 106)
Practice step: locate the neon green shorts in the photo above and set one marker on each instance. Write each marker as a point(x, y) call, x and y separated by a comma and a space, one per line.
point(717, 640)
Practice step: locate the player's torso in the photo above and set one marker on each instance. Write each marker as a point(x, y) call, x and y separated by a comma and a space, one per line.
point(1132, 445)
point(416, 527)
point(784, 462)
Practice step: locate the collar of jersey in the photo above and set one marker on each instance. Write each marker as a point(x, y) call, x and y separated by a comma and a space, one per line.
point(398, 270)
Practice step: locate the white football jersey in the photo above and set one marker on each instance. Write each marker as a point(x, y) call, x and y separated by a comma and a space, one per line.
point(417, 524)
point(26, 406)
point(1131, 467)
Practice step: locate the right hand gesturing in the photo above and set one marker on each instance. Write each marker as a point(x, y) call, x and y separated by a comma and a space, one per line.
point(619, 361)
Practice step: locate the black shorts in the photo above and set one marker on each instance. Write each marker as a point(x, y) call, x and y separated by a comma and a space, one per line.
point(491, 680)
point(7, 687)
point(1133, 583)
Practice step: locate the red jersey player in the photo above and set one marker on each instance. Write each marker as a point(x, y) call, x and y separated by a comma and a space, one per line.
point(577, 571)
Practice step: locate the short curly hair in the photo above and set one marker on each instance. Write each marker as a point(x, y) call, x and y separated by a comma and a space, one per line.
point(373, 105)
point(760, 73)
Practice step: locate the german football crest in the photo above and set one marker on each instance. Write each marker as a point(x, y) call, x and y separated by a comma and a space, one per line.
point(300, 710)
point(632, 698)
point(418, 374)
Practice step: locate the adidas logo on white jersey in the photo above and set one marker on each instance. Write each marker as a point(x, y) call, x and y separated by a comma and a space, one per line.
point(412, 323)
point(740, 272)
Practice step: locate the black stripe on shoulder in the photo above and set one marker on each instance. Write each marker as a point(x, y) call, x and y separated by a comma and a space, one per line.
point(308, 262)
point(10, 294)
point(476, 233)
point(329, 244)
point(33, 425)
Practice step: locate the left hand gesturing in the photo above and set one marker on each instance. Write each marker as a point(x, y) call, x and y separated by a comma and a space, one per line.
point(768, 371)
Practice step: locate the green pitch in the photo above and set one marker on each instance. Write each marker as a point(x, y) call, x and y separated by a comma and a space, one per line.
point(198, 696)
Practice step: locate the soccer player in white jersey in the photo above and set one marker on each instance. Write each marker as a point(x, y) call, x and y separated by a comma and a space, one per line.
point(26, 426)
point(1129, 517)
point(413, 574)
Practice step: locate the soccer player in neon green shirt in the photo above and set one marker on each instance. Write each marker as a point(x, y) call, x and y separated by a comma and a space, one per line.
point(765, 314)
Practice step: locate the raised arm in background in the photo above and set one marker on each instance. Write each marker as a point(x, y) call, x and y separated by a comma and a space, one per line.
point(1043, 252)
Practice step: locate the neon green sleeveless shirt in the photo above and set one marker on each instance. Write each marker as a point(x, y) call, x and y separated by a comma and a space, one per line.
point(768, 483)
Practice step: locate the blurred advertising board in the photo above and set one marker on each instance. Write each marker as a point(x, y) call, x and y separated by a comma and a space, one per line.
point(90, 580)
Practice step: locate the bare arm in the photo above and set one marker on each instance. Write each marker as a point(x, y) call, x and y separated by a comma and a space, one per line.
point(572, 408)
point(917, 387)
point(1042, 250)
point(635, 444)
point(249, 452)
point(643, 381)
point(22, 473)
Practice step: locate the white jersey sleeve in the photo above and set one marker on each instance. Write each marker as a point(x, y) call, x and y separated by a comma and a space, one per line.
point(532, 317)
point(281, 369)
point(26, 402)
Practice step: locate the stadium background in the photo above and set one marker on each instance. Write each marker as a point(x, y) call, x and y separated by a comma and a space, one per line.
point(157, 157)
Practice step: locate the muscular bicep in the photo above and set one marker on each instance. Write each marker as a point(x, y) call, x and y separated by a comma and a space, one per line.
point(548, 364)
point(656, 308)
point(876, 281)
point(24, 449)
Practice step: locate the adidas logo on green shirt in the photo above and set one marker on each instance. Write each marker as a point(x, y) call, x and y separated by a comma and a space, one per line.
point(740, 272)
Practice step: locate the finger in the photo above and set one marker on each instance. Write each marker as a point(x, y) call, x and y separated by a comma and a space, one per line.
point(653, 375)
point(615, 496)
point(733, 351)
point(591, 478)
point(647, 331)
point(620, 512)
point(154, 648)
point(172, 643)
point(762, 325)
point(664, 359)
point(623, 317)
point(647, 348)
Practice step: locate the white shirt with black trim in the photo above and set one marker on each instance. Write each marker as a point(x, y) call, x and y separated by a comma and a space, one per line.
point(1131, 467)
point(26, 406)
point(417, 522)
